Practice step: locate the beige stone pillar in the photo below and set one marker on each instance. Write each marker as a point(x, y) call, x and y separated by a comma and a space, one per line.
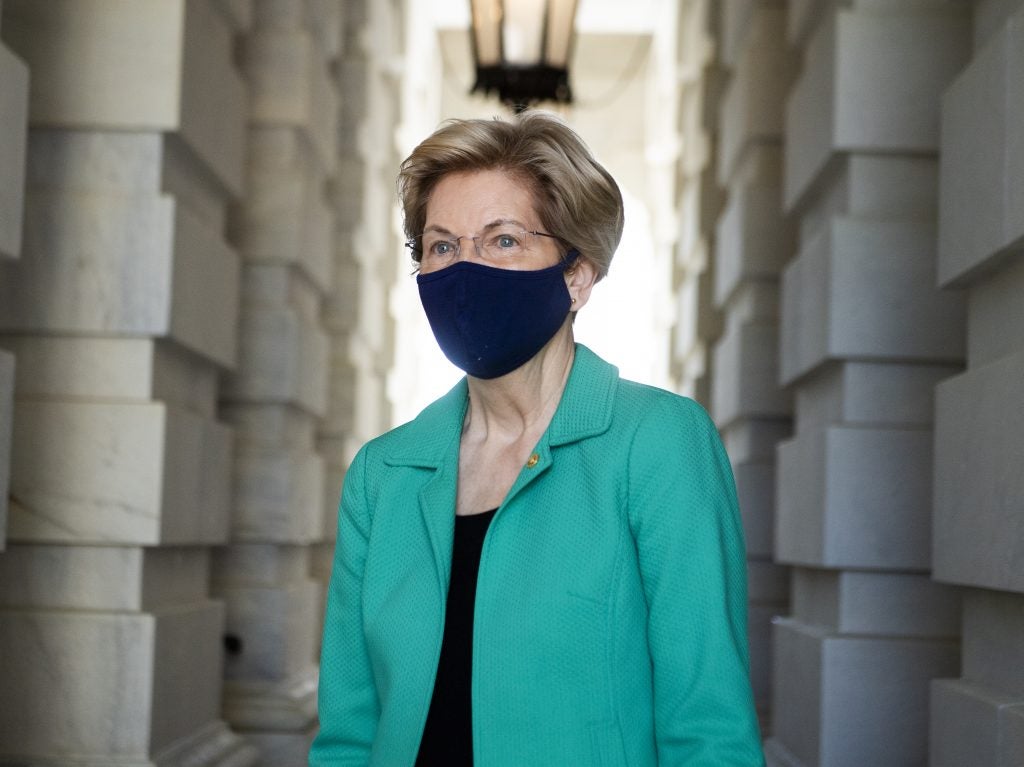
point(284, 230)
point(978, 504)
point(865, 336)
point(121, 312)
point(753, 240)
point(13, 129)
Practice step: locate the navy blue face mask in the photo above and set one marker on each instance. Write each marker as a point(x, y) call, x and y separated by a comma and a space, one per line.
point(490, 321)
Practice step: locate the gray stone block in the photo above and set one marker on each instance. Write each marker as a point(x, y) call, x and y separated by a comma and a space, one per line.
point(751, 109)
point(6, 420)
point(883, 186)
point(996, 312)
point(981, 203)
point(281, 748)
point(979, 486)
point(745, 384)
point(865, 290)
point(282, 360)
point(891, 604)
point(972, 724)
point(104, 472)
point(94, 162)
point(271, 426)
point(275, 629)
point(102, 578)
point(869, 394)
point(755, 489)
point(767, 582)
point(212, 109)
point(122, 265)
point(182, 78)
point(871, 82)
point(753, 240)
point(13, 129)
point(259, 565)
point(993, 636)
point(851, 701)
point(759, 639)
point(119, 686)
point(95, 368)
point(284, 219)
point(56, 38)
point(755, 439)
point(828, 516)
point(289, 86)
point(278, 495)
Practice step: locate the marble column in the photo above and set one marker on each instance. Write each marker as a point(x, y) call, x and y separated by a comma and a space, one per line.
point(753, 241)
point(276, 398)
point(865, 336)
point(122, 313)
point(13, 130)
point(978, 504)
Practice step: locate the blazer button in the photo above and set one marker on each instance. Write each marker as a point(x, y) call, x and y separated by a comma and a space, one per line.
point(532, 461)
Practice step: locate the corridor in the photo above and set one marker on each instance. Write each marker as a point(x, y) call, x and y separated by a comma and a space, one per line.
point(206, 308)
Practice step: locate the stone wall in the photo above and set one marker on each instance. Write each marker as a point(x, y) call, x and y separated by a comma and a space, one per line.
point(121, 313)
point(865, 337)
point(276, 397)
point(753, 239)
point(978, 488)
point(180, 304)
point(13, 130)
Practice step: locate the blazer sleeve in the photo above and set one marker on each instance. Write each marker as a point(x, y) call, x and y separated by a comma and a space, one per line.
point(685, 520)
point(348, 704)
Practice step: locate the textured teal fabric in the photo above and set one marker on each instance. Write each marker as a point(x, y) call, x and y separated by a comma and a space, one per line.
point(610, 624)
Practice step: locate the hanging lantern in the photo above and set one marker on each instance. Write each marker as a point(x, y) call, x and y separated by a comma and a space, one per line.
point(521, 49)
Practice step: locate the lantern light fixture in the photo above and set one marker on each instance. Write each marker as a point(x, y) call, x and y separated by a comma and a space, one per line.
point(521, 49)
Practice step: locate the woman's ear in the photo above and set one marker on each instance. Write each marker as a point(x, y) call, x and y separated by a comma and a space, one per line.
point(580, 279)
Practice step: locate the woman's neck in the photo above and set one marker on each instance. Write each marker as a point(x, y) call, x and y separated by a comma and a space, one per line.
point(524, 401)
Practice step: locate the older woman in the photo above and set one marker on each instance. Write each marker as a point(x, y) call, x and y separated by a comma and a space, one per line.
point(546, 566)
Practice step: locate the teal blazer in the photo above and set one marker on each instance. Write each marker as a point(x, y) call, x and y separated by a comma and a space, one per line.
point(610, 624)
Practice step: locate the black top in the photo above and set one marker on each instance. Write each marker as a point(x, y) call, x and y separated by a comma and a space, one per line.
point(448, 735)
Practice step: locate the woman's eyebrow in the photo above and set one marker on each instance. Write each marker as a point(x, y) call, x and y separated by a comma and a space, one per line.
point(502, 222)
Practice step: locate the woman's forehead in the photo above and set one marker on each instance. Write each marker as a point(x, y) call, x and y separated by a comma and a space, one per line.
point(480, 198)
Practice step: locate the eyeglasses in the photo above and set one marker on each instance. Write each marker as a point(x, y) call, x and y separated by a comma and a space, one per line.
point(500, 246)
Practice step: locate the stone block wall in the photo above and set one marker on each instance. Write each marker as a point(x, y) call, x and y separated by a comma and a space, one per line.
point(865, 336)
point(277, 396)
point(978, 492)
point(13, 132)
point(121, 313)
point(177, 364)
point(698, 199)
point(753, 239)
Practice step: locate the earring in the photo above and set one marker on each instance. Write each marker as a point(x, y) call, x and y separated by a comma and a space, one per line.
point(574, 300)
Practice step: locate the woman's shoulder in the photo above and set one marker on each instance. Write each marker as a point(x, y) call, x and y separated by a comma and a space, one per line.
point(652, 406)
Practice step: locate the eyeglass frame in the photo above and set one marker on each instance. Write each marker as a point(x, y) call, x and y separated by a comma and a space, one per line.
point(411, 243)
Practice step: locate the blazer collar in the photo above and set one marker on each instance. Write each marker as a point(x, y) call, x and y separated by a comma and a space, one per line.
point(585, 410)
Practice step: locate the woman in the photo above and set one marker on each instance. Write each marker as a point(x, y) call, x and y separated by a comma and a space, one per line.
point(546, 566)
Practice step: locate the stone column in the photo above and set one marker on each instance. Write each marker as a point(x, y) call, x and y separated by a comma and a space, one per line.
point(699, 199)
point(13, 129)
point(865, 337)
point(284, 229)
point(754, 240)
point(122, 314)
point(379, 255)
point(977, 539)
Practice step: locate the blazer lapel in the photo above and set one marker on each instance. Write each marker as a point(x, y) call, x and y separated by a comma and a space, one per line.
point(432, 442)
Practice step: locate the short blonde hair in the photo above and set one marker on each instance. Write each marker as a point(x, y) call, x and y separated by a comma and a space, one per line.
point(577, 200)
